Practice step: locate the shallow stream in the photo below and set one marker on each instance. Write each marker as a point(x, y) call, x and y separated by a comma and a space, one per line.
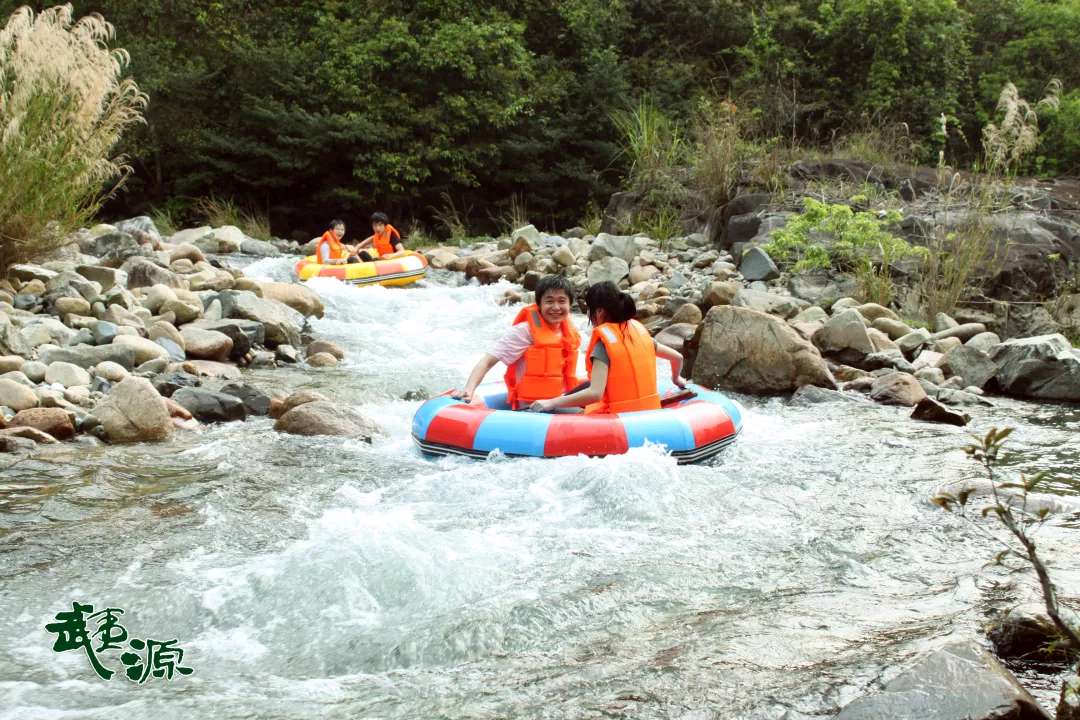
point(315, 578)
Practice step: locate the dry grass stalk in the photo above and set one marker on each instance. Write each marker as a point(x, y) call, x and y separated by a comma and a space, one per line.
point(63, 107)
point(1017, 135)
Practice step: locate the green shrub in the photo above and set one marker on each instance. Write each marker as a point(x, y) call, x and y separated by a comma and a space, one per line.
point(63, 108)
point(1059, 147)
point(835, 237)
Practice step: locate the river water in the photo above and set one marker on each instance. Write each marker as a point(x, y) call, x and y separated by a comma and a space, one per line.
point(320, 578)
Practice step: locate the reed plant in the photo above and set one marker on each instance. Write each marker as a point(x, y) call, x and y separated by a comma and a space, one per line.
point(593, 219)
point(64, 105)
point(453, 221)
point(513, 214)
point(1016, 134)
point(219, 212)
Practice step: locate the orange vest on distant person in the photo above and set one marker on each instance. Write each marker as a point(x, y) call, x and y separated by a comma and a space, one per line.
point(550, 363)
point(631, 381)
point(384, 241)
point(337, 250)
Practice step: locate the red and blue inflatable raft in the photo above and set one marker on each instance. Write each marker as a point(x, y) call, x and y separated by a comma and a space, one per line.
point(692, 426)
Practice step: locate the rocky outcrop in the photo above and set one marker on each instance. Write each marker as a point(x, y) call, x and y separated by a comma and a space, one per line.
point(959, 682)
point(750, 351)
point(1046, 367)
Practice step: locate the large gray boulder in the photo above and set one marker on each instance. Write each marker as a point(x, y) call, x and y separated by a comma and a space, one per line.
point(12, 341)
point(281, 323)
point(897, 388)
point(145, 273)
point(845, 336)
point(972, 364)
point(300, 298)
point(323, 417)
point(259, 248)
point(750, 351)
point(757, 265)
point(785, 307)
point(134, 412)
point(140, 224)
point(821, 285)
point(208, 406)
point(245, 334)
point(959, 682)
point(105, 276)
point(114, 248)
point(87, 356)
point(1045, 367)
point(255, 400)
point(618, 246)
point(202, 344)
point(612, 269)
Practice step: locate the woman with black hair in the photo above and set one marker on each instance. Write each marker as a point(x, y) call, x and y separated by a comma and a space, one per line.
point(621, 359)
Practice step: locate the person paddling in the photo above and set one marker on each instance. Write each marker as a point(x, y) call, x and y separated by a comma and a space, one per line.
point(330, 250)
point(384, 239)
point(540, 351)
point(621, 359)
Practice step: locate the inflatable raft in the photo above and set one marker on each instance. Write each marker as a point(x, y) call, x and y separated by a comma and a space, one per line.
point(399, 269)
point(693, 426)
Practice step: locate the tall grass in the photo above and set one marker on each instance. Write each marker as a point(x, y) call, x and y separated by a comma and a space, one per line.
point(453, 220)
point(720, 151)
point(223, 211)
point(887, 145)
point(63, 107)
point(1017, 132)
point(593, 219)
point(957, 262)
point(656, 149)
point(513, 214)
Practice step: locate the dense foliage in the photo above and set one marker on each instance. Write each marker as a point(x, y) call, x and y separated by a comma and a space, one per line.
point(315, 108)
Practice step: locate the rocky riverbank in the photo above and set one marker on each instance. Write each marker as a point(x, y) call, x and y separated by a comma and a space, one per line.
point(745, 326)
point(124, 335)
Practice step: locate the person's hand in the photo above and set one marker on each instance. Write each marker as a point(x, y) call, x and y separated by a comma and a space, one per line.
point(679, 381)
point(542, 406)
point(464, 396)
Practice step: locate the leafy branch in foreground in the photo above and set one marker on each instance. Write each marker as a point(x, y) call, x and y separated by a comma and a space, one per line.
point(1010, 505)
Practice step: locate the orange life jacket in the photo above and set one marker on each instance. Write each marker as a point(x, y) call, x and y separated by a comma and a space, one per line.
point(631, 381)
point(383, 242)
point(337, 250)
point(550, 364)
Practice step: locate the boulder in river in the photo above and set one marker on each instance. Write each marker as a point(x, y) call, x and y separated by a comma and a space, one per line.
point(1045, 367)
point(300, 298)
point(958, 682)
point(133, 412)
point(897, 388)
point(52, 420)
point(208, 406)
point(323, 417)
point(750, 351)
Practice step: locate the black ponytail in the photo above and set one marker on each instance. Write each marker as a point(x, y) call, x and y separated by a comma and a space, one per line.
point(618, 307)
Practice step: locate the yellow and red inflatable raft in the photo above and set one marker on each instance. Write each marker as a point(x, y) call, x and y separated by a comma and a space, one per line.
point(398, 269)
